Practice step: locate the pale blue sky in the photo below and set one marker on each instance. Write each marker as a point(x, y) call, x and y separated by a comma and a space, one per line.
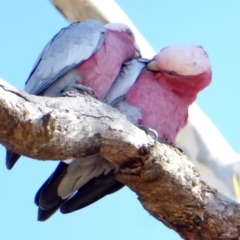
point(26, 26)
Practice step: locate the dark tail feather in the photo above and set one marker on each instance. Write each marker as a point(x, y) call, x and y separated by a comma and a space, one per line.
point(11, 159)
point(47, 198)
point(43, 215)
point(91, 192)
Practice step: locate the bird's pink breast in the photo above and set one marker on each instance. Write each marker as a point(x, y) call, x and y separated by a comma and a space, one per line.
point(161, 109)
point(101, 69)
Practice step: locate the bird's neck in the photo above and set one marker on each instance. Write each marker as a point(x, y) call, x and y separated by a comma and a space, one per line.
point(186, 87)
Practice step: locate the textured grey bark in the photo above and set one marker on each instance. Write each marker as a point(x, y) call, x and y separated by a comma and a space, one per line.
point(166, 182)
point(65, 127)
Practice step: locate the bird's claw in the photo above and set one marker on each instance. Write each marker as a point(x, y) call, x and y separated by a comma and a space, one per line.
point(75, 90)
point(149, 131)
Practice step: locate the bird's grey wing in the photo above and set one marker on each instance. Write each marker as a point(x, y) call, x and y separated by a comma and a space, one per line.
point(126, 78)
point(51, 192)
point(69, 48)
point(69, 178)
point(94, 190)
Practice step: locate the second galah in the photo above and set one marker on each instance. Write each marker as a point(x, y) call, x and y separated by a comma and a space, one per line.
point(86, 53)
point(155, 94)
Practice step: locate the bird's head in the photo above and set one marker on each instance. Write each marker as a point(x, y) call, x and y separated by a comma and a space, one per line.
point(120, 27)
point(184, 69)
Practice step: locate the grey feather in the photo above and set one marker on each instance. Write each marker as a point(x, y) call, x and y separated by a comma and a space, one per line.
point(80, 171)
point(69, 48)
point(126, 78)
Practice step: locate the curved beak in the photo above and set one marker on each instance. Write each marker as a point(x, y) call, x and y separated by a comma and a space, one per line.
point(152, 65)
point(137, 51)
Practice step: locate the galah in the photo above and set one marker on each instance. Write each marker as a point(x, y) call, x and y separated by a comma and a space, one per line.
point(157, 97)
point(86, 53)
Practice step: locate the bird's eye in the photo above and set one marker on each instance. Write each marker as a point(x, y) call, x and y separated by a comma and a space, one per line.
point(130, 33)
point(172, 73)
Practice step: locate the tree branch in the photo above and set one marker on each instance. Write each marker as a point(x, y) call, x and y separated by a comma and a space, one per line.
point(170, 189)
point(66, 127)
point(166, 182)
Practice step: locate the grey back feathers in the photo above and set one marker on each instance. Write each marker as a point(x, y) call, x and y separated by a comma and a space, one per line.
point(126, 78)
point(69, 48)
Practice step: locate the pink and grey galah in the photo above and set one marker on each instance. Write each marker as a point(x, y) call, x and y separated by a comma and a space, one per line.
point(155, 94)
point(87, 53)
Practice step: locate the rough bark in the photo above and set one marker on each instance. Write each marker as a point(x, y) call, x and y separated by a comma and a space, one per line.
point(170, 189)
point(65, 127)
point(166, 182)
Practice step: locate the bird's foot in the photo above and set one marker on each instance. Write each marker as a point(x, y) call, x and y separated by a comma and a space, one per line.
point(149, 131)
point(75, 90)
